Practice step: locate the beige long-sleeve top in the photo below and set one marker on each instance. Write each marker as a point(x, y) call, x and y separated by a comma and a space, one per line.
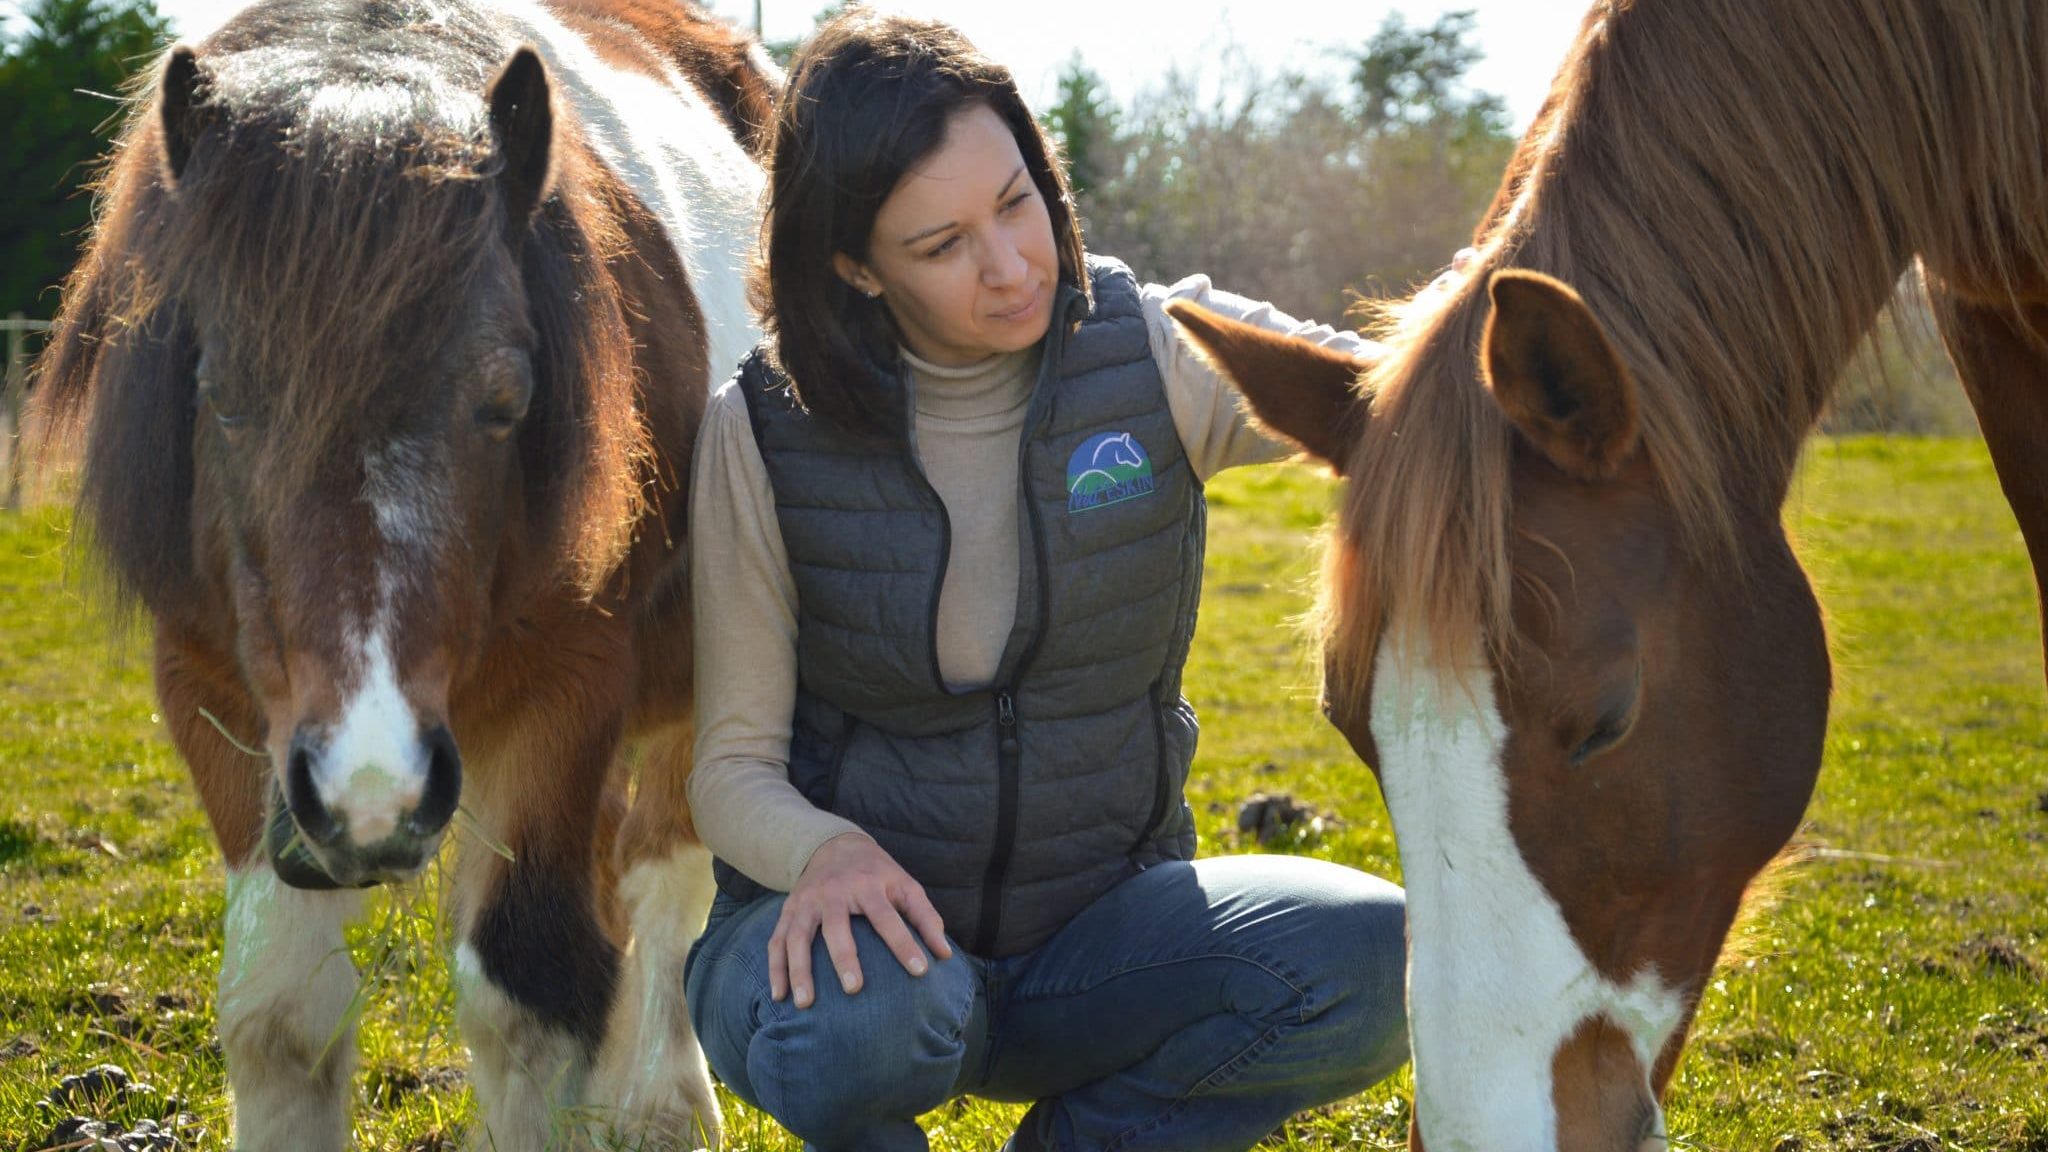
point(967, 428)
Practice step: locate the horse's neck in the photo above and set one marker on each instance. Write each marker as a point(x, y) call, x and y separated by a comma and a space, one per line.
point(1740, 237)
point(677, 156)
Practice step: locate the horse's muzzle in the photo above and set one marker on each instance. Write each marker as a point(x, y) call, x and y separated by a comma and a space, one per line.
point(312, 840)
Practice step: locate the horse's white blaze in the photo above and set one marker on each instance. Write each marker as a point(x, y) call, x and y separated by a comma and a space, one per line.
point(375, 768)
point(652, 1071)
point(409, 499)
point(1496, 983)
point(527, 1074)
point(285, 987)
point(677, 155)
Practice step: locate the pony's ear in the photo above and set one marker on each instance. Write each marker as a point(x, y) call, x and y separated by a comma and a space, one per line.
point(523, 117)
point(1305, 392)
point(1556, 376)
point(181, 108)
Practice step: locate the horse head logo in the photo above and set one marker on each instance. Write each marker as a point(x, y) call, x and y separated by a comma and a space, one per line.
point(1106, 469)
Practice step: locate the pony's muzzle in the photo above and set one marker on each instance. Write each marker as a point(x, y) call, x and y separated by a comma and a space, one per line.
point(361, 823)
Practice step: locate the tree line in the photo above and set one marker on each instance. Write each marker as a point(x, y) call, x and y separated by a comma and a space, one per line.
point(1314, 190)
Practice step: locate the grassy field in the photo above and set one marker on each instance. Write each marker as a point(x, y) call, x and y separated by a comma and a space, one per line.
point(1895, 998)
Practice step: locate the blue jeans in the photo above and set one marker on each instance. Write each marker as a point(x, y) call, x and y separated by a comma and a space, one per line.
point(1193, 1007)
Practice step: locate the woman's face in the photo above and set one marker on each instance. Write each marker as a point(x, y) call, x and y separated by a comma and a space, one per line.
point(962, 251)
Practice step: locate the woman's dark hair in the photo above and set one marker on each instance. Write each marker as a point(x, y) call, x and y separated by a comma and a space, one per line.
point(868, 99)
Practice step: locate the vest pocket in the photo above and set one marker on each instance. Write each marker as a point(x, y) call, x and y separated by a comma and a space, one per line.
point(1162, 775)
point(816, 760)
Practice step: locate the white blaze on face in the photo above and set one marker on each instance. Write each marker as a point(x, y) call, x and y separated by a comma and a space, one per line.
point(1496, 983)
point(374, 769)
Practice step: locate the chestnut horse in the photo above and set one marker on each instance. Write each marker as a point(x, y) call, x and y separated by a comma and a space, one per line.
point(1561, 617)
point(392, 343)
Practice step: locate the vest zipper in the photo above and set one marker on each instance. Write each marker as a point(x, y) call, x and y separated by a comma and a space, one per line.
point(1009, 758)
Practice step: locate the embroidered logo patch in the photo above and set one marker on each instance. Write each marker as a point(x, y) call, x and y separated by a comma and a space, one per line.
point(1108, 469)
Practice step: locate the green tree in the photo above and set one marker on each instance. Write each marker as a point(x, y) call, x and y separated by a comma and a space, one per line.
point(58, 78)
point(1305, 191)
point(1415, 76)
point(1084, 121)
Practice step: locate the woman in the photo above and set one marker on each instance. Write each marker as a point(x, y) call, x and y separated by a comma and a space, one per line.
point(947, 538)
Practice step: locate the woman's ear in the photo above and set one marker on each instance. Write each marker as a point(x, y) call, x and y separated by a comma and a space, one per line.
point(856, 275)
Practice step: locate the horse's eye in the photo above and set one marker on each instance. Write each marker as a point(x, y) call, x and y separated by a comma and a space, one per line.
point(1605, 735)
point(1614, 725)
point(505, 403)
point(231, 423)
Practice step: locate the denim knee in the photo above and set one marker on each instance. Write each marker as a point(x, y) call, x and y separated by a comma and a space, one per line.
point(847, 1064)
point(1360, 979)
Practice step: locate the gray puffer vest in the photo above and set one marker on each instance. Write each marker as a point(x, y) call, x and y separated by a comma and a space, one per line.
point(1017, 805)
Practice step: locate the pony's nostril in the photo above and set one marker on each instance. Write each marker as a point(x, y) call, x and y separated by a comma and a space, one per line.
point(312, 816)
point(444, 784)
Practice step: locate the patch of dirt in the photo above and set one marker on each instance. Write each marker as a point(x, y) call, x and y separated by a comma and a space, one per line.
point(388, 1084)
point(172, 1134)
point(1749, 1046)
point(1279, 818)
point(1998, 954)
point(2022, 1033)
point(19, 1048)
point(84, 1100)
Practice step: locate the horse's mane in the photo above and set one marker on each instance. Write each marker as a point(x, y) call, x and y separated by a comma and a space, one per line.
point(1734, 189)
point(334, 224)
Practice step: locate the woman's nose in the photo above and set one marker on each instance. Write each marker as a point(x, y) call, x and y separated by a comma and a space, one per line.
point(1004, 264)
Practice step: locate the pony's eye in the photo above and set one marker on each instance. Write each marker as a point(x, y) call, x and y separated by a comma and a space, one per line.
point(505, 403)
point(230, 422)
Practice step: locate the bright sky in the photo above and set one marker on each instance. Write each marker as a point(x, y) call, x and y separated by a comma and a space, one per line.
point(1132, 43)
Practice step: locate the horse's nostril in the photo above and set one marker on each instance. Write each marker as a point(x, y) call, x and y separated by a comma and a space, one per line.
point(444, 784)
point(314, 820)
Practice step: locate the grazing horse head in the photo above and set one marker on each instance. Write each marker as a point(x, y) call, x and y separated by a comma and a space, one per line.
point(1580, 806)
point(1561, 618)
point(353, 326)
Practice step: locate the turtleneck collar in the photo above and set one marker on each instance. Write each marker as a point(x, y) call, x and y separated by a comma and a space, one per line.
point(1000, 384)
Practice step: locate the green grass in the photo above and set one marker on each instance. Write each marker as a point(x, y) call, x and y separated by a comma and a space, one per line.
point(1895, 998)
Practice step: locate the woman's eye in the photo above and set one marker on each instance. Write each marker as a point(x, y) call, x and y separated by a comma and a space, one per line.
point(1016, 201)
point(951, 243)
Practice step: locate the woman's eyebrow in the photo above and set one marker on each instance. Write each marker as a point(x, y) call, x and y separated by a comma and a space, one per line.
point(951, 224)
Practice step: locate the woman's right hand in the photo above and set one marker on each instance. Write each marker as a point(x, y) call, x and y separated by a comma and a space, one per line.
point(850, 875)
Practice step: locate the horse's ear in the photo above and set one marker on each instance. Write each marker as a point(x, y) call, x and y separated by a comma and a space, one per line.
point(181, 108)
point(523, 117)
point(1303, 391)
point(1556, 376)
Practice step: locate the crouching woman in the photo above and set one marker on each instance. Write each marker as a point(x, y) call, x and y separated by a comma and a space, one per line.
point(947, 532)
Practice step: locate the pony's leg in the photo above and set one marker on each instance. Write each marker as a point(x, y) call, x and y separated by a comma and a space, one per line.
point(652, 1076)
point(534, 968)
point(286, 982)
point(2001, 353)
point(285, 976)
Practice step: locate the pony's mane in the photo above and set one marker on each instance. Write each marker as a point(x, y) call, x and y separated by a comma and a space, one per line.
point(1734, 189)
point(335, 222)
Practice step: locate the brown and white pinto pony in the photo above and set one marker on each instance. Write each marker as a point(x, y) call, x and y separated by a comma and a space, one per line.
point(1561, 618)
point(392, 344)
